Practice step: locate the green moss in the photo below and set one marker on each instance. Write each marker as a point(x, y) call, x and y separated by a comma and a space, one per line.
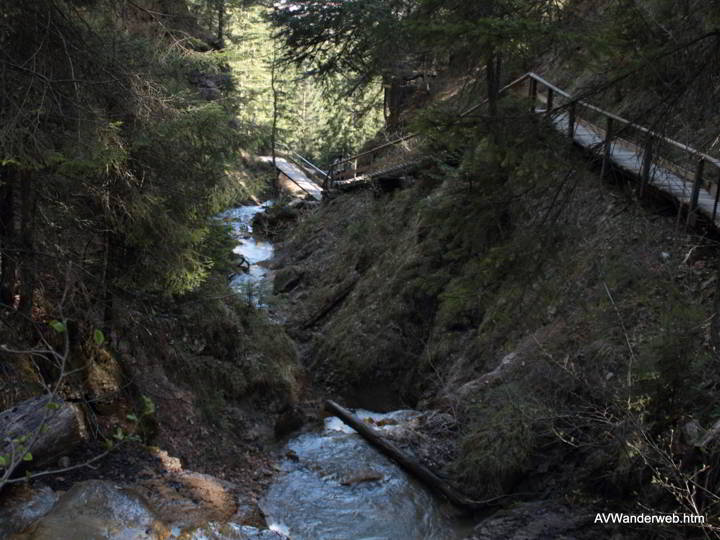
point(499, 442)
point(668, 361)
point(234, 353)
point(460, 304)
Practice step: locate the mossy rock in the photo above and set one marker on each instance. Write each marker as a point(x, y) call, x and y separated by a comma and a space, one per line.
point(286, 280)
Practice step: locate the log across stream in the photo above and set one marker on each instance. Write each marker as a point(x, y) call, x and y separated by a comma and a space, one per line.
point(335, 485)
point(412, 466)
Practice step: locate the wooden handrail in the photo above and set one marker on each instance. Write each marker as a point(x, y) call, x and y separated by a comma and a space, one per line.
point(463, 114)
point(309, 164)
point(615, 117)
point(504, 89)
point(375, 149)
point(413, 135)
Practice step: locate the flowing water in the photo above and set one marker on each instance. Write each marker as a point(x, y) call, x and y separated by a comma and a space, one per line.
point(336, 486)
point(256, 282)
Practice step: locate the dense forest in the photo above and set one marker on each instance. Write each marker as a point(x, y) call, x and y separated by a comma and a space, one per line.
point(552, 319)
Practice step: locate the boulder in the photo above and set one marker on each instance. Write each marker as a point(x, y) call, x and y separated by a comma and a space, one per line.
point(538, 521)
point(23, 506)
point(304, 204)
point(232, 531)
point(104, 382)
point(98, 510)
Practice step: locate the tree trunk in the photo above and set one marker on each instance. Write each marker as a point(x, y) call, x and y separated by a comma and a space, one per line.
point(396, 94)
point(221, 23)
point(715, 322)
point(51, 432)
point(492, 69)
point(107, 277)
point(8, 258)
point(28, 268)
point(276, 113)
point(331, 304)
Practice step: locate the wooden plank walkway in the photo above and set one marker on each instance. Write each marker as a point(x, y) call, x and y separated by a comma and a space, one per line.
point(698, 190)
point(298, 175)
point(630, 158)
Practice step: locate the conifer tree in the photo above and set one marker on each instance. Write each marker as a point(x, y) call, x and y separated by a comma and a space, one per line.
point(357, 42)
point(111, 164)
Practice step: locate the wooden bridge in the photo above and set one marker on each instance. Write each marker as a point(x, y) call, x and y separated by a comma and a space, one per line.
point(683, 173)
point(299, 171)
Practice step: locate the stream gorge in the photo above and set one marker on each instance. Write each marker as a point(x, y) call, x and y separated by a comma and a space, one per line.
point(332, 484)
point(329, 483)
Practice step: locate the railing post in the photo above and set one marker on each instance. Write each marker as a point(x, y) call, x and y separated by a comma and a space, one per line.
point(646, 165)
point(533, 94)
point(608, 147)
point(572, 111)
point(328, 177)
point(550, 100)
point(354, 167)
point(699, 170)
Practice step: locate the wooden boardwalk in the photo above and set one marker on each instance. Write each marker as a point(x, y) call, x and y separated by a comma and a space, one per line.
point(630, 158)
point(693, 183)
point(297, 175)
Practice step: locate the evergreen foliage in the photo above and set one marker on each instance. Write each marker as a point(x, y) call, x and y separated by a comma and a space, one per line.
point(316, 117)
point(355, 39)
point(113, 159)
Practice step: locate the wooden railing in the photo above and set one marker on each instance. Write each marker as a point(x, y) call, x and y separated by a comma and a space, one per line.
point(304, 163)
point(365, 162)
point(558, 101)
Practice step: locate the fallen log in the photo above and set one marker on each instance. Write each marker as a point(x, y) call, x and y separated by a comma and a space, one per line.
point(46, 428)
point(410, 465)
point(334, 301)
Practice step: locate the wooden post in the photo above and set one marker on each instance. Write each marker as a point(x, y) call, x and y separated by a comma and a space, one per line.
point(699, 170)
point(717, 197)
point(533, 94)
point(646, 165)
point(329, 177)
point(354, 167)
point(608, 147)
point(572, 111)
point(550, 100)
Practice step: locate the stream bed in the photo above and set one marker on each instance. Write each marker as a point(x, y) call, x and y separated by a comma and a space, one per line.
point(334, 485)
point(256, 282)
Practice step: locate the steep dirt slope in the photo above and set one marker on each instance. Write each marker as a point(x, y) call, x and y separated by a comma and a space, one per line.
point(562, 324)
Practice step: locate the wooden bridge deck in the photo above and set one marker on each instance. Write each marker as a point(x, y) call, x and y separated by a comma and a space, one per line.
point(298, 175)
